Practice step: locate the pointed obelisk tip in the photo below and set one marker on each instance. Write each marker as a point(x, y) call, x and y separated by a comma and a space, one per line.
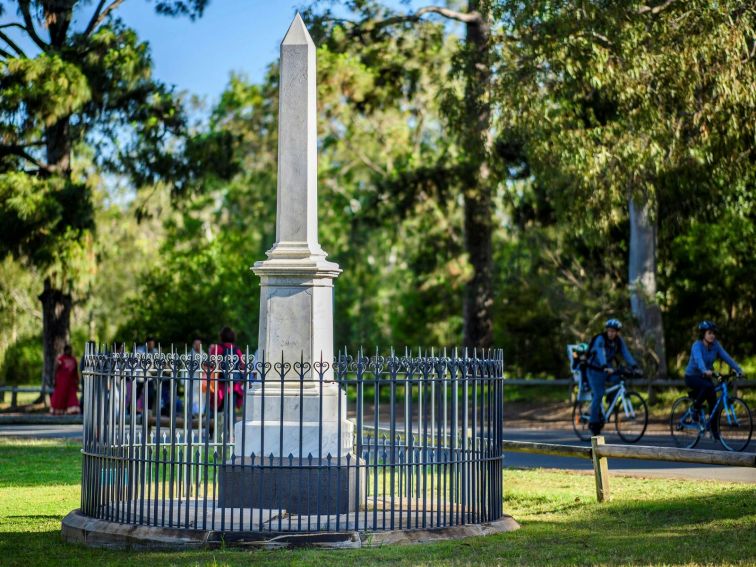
point(297, 34)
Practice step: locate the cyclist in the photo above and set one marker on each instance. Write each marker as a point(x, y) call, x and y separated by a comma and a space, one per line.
point(604, 348)
point(704, 352)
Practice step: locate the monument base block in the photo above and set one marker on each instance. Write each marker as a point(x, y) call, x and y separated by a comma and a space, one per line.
point(317, 486)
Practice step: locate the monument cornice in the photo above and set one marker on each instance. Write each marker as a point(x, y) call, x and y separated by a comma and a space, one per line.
point(310, 269)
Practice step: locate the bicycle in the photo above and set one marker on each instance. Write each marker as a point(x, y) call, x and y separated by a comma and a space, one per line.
point(730, 422)
point(627, 407)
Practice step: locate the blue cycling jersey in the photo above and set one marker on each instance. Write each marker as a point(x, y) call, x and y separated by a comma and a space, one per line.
point(703, 357)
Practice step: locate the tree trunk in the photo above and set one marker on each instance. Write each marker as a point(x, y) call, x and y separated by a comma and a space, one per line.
point(478, 214)
point(642, 278)
point(56, 319)
point(56, 304)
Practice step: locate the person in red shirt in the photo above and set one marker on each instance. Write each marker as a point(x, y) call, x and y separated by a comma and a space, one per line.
point(219, 378)
point(64, 398)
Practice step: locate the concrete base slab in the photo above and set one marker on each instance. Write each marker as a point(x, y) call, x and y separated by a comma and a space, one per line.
point(191, 514)
point(80, 529)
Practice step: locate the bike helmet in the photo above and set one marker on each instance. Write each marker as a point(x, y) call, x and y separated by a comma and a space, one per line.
point(582, 348)
point(613, 324)
point(704, 326)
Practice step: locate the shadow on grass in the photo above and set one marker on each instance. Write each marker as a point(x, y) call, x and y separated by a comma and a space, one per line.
point(700, 529)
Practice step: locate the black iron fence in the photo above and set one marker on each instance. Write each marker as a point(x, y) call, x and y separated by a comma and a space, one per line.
point(228, 442)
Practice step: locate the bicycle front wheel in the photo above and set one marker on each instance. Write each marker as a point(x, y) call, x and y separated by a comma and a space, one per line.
point(580, 419)
point(684, 429)
point(735, 425)
point(631, 417)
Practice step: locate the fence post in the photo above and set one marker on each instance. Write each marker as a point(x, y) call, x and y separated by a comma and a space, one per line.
point(14, 398)
point(600, 470)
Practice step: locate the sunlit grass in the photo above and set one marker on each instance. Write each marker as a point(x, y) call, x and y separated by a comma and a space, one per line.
point(648, 521)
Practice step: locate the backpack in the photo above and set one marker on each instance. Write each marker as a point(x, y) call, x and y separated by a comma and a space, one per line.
point(590, 350)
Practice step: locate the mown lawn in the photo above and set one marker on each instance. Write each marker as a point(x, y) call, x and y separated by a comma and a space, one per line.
point(649, 521)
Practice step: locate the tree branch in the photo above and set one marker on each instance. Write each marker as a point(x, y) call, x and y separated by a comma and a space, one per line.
point(18, 150)
point(29, 25)
point(98, 17)
point(464, 17)
point(13, 25)
point(653, 10)
point(92, 22)
point(12, 44)
point(595, 35)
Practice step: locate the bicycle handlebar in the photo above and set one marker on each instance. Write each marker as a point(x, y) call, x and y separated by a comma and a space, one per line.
point(628, 372)
point(726, 377)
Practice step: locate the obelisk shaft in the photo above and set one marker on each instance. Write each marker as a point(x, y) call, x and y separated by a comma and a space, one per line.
point(296, 215)
point(287, 415)
point(296, 303)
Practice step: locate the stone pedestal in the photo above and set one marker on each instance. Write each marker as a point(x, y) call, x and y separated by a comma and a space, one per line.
point(286, 422)
point(296, 312)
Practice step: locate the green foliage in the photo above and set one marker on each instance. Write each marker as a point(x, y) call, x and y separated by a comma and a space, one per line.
point(619, 101)
point(193, 295)
point(22, 361)
point(591, 105)
point(43, 220)
point(46, 89)
point(712, 277)
point(83, 88)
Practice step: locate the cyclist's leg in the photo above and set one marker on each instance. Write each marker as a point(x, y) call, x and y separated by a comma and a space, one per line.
point(611, 380)
point(597, 380)
point(699, 385)
point(710, 395)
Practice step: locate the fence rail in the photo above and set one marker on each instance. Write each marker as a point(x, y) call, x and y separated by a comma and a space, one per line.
point(16, 390)
point(635, 382)
point(599, 453)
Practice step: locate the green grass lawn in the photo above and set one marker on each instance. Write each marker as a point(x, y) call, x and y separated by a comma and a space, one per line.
point(649, 521)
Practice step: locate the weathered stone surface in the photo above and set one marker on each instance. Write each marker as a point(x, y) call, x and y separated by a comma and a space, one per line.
point(408, 537)
point(77, 528)
point(296, 300)
point(276, 415)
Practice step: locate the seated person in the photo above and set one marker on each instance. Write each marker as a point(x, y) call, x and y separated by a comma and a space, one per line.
point(580, 365)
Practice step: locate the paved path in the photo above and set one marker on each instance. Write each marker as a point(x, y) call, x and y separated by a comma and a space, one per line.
point(562, 436)
point(625, 466)
point(47, 431)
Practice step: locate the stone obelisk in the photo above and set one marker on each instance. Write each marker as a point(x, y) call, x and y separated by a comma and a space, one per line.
point(296, 299)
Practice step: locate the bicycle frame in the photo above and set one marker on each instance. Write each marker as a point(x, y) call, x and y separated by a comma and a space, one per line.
point(627, 406)
point(722, 401)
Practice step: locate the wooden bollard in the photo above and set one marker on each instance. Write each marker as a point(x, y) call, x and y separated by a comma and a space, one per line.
point(600, 470)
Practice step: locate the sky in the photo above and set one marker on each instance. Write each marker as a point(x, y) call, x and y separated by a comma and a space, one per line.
point(232, 36)
point(199, 56)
